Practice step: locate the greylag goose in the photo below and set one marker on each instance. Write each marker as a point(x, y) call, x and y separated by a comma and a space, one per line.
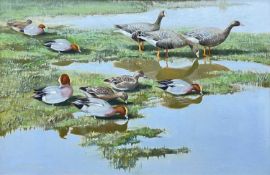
point(19, 25)
point(125, 82)
point(168, 40)
point(104, 93)
point(211, 36)
point(129, 29)
point(62, 45)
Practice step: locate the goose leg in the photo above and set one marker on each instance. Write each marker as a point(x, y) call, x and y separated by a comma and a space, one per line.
point(209, 51)
point(158, 54)
point(142, 46)
point(166, 55)
point(204, 52)
point(140, 49)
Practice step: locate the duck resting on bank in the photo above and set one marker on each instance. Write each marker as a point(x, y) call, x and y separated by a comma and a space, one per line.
point(55, 94)
point(33, 29)
point(62, 45)
point(211, 36)
point(125, 82)
point(100, 108)
point(129, 29)
point(104, 93)
point(19, 25)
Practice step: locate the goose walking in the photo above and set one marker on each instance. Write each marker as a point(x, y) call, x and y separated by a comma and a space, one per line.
point(19, 25)
point(100, 108)
point(168, 40)
point(180, 87)
point(211, 36)
point(104, 93)
point(129, 29)
point(125, 82)
point(55, 94)
point(62, 45)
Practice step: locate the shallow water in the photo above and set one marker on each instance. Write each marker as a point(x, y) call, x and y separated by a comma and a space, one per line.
point(173, 69)
point(231, 142)
point(186, 17)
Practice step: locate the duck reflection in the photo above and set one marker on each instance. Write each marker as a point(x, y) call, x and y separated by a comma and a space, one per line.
point(177, 102)
point(155, 70)
point(108, 127)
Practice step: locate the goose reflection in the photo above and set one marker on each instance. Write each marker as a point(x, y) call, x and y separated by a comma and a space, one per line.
point(108, 127)
point(157, 71)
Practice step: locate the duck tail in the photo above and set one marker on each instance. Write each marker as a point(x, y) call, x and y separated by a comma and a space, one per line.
point(48, 43)
point(38, 96)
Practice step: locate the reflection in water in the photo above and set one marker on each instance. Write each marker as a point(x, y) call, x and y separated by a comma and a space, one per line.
point(108, 127)
point(154, 70)
point(180, 101)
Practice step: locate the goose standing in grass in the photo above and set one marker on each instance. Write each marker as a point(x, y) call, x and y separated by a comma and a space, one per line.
point(180, 87)
point(104, 93)
point(168, 40)
point(125, 82)
point(100, 108)
point(55, 94)
point(211, 36)
point(33, 29)
point(62, 45)
point(19, 25)
point(129, 29)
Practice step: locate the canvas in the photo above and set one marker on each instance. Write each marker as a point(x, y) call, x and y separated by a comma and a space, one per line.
point(134, 87)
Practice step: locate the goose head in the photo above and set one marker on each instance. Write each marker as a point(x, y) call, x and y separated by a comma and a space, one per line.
point(236, 23)
point(162, 14)
point(75, 47)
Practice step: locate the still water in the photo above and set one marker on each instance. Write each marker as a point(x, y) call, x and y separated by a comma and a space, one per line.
point(186, 17)
point(232, 137)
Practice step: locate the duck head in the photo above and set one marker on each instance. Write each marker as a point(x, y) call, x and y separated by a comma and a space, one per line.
point(29, 21)
point(196, 88)
point(64, 80)
point(75, 47)
point(139, 74)
point(123, 96)
point(42, 26)
point(121, 110)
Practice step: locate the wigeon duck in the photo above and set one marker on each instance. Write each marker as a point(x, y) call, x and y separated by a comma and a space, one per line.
point(100, 108)
point(211, 36)
point(180, 87)
point(33, 29)
point(104, 93)
point(125, 82)
point(62, 45)
point(129, 29)
point(55, 94)
point(19, 25)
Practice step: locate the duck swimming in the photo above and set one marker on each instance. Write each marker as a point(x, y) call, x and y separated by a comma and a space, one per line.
point(180, 87)
point(55, 94)
point(100, 108)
